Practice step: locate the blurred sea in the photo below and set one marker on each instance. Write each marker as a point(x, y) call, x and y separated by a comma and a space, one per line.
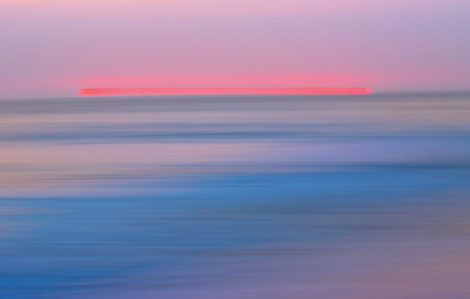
point(236, 197)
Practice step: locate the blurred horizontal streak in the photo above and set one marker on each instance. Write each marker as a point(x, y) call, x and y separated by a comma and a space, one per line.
point(226, 91)
point(221, 132)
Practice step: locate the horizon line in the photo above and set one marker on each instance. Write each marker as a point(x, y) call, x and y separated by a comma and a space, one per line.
point(226, 91)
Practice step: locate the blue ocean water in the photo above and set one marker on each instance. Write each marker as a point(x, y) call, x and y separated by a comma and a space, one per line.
point(235, 197)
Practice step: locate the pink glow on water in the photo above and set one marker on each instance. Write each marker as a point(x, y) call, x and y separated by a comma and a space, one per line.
point(227, 91)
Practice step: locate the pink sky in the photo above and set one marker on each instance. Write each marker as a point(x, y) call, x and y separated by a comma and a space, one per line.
point(54, 48)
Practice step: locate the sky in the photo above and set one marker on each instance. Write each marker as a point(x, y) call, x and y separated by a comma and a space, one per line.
point(51, 48)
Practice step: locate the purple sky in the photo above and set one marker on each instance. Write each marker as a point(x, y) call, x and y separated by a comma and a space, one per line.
point(54, 48)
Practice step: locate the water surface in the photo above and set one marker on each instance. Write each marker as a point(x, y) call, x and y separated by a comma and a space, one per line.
point(235, 197)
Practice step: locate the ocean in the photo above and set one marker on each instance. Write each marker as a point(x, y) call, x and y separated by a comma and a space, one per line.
point(236, 197)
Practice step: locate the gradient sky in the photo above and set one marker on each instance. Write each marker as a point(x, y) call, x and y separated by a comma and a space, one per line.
point(54, 48)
